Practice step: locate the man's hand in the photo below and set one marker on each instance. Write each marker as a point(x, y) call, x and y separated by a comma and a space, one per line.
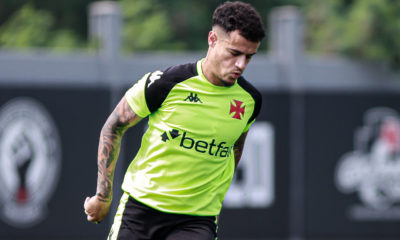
point(96, 209)
point(122, 118)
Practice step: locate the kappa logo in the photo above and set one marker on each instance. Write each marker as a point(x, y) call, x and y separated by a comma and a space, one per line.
point(193, 98)
point(372, 169)
point(213, 148)
point(237, 108)
point(154, 76)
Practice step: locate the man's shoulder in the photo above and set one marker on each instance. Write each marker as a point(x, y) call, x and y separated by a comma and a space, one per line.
point(160, 83)
point(255, 94)
point(169, 77)
point(179, 73)
point(248, 87)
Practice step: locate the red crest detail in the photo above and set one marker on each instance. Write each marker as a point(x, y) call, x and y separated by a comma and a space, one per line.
point(237, 109)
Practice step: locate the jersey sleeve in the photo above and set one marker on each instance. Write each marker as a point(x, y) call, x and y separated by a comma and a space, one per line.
point(135, 96)
point(249, 125)
point(148, 94)
point(257, 98)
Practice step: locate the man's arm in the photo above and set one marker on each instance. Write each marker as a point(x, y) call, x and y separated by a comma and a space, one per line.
point(238, 148)
point(118, 122)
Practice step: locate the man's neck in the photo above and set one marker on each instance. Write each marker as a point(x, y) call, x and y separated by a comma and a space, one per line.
point(206, 67)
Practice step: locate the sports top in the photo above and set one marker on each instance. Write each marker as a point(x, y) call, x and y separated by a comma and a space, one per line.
point(186, 163)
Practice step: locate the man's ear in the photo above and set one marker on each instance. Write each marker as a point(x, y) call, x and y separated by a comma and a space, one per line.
point(212, 38)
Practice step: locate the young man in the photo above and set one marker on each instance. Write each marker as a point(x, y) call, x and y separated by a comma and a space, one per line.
point(199, 115)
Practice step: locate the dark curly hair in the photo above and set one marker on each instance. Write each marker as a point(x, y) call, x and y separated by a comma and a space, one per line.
point(240, 16)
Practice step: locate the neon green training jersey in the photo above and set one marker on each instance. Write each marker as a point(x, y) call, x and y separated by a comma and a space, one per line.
point(186, 163)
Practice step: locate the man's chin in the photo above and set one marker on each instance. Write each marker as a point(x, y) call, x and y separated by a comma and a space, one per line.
point(229, 82)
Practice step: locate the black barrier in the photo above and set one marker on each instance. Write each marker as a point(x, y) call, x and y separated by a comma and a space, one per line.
point(52, 134)
point(48, 148)
point(352, 165)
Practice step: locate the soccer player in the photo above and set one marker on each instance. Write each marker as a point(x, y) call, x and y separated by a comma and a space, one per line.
point(198, 116)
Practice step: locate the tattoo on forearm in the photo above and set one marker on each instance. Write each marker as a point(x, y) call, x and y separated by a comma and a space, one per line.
point(109, 146)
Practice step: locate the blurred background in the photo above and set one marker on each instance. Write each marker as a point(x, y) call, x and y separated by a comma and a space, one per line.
point(321, 162)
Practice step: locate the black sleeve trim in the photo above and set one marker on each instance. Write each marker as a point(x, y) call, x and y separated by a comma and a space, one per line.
point(159, 83)
point(254, 93)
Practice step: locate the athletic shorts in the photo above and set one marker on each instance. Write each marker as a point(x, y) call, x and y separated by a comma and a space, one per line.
point(135, 220)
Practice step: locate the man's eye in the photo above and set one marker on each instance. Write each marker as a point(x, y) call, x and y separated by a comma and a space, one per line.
point(235, 54)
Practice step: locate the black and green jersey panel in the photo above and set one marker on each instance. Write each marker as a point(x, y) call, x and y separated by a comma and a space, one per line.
point(185, 163)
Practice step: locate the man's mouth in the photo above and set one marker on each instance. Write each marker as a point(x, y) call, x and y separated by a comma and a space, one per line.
point(236, 74)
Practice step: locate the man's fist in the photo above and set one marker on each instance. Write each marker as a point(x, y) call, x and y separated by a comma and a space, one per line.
point(96, 209)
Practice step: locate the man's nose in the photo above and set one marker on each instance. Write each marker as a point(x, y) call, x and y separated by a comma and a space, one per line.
point(241, 62)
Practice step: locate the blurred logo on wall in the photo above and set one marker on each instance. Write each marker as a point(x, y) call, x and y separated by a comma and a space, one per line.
point(30, 158)
point(253, 184)
point(372, 169)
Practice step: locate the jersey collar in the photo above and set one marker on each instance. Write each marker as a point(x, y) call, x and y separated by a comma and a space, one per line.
point(203, 77)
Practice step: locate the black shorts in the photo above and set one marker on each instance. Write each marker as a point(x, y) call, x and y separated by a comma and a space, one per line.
point(135, 220)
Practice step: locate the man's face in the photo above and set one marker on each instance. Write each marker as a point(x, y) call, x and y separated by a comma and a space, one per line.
point(230, 53)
